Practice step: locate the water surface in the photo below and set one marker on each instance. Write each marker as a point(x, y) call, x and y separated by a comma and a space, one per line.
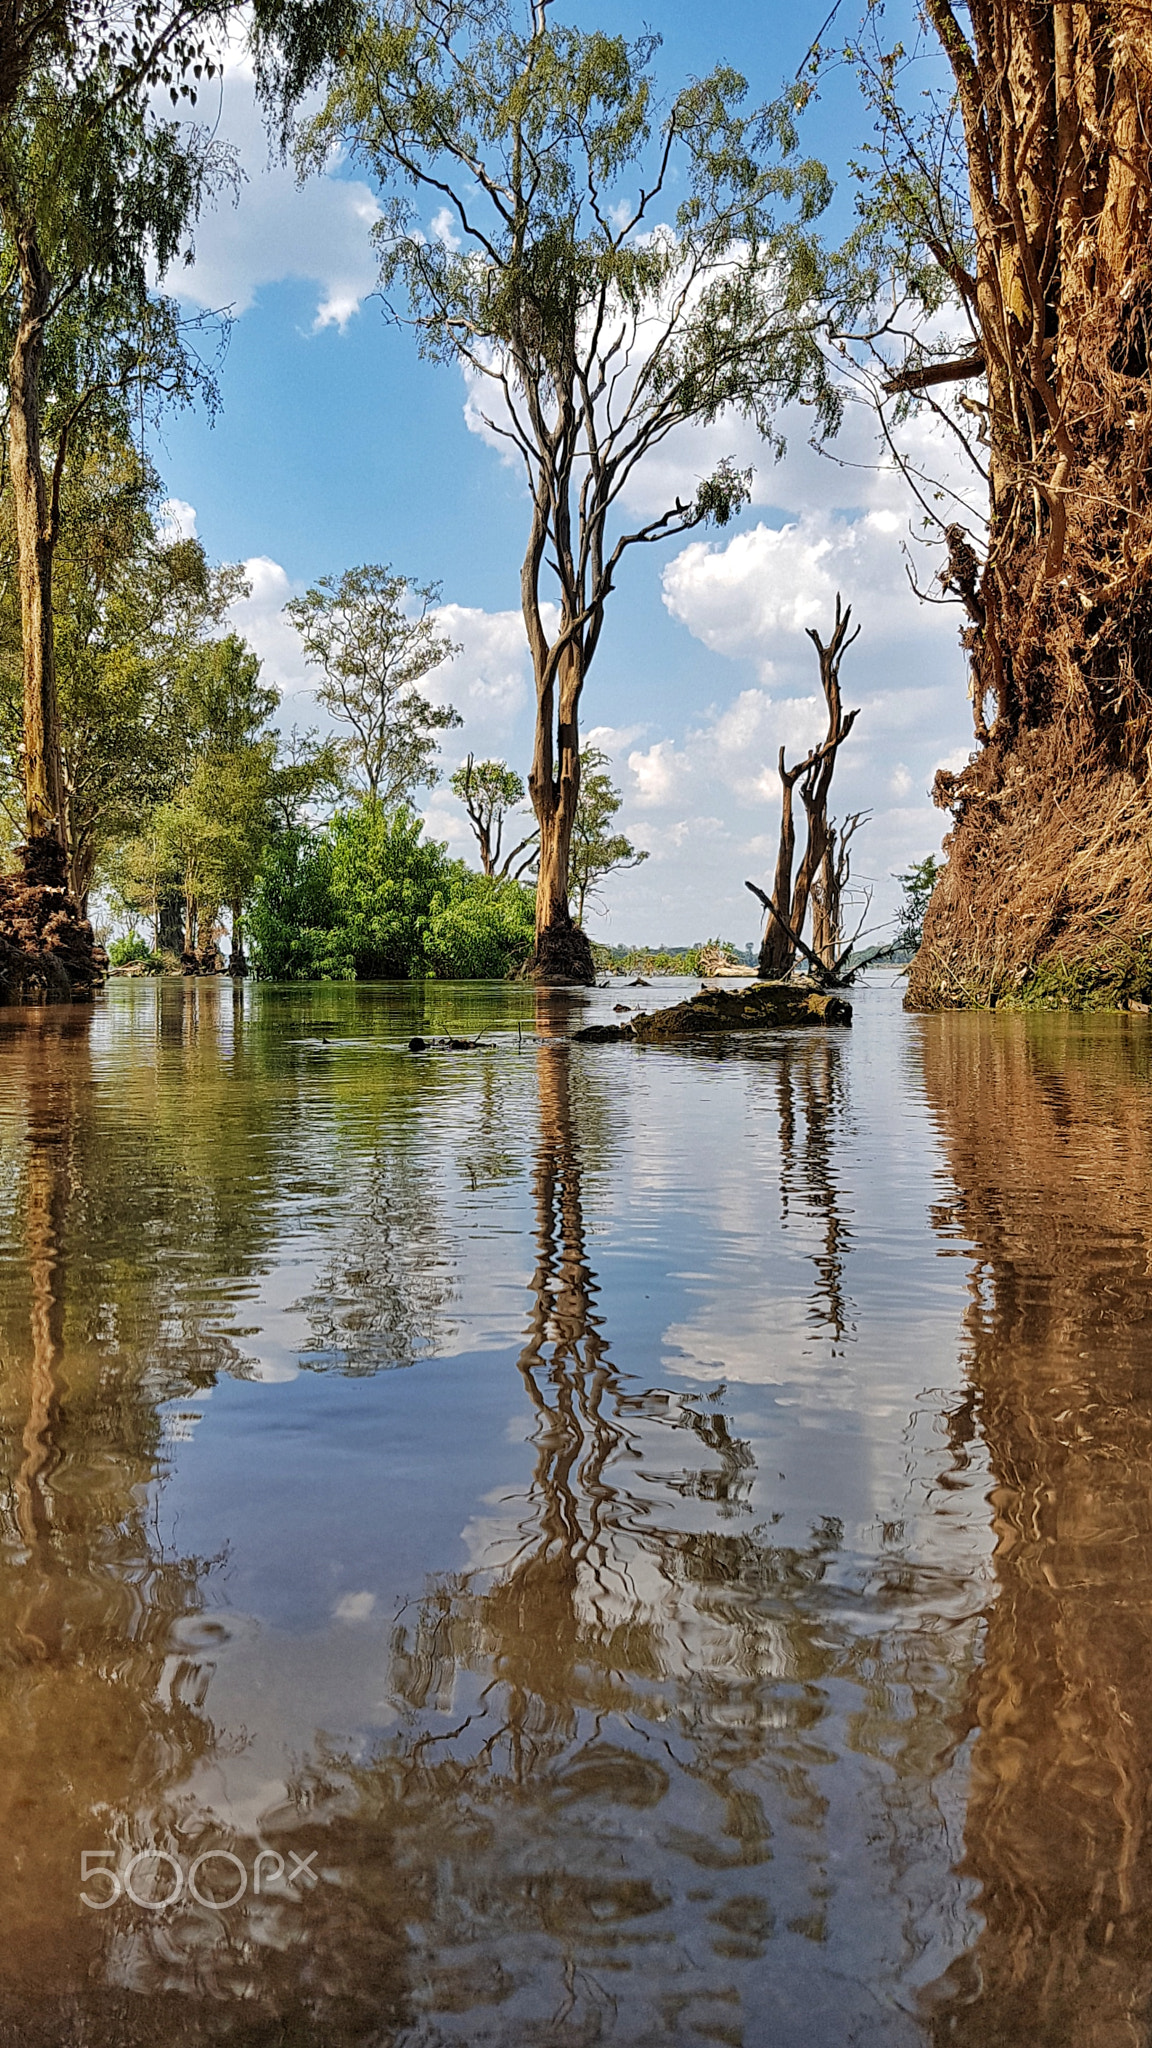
point(568, 1544)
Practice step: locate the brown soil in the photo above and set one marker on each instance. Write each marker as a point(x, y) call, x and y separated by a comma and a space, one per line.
point(1049, 878)
point(48, 952)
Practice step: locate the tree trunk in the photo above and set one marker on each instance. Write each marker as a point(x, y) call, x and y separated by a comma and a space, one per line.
point(776, 947)
point(826, 905)
point(562, 952)
point(35, 545)
point(1048, 883)
point(47, 947)
point(237, 962)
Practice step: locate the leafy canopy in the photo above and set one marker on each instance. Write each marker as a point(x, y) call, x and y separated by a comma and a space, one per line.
point(375, 636)
point(605, 275)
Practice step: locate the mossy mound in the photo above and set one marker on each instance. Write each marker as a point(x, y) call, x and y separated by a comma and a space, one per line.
point(1046, 899)
point(764, 1006)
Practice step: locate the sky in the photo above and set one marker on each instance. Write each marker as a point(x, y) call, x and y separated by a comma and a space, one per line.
point(336, 445)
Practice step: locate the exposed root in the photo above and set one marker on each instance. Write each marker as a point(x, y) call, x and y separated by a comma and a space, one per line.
point(561, 955)
point(1047, 894)
point(48, 952)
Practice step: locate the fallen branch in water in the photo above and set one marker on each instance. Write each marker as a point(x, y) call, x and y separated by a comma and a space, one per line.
point(830, 976)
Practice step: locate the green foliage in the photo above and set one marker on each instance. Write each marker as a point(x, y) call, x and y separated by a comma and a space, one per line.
point(293, 923)
point(374, 636)
point(917, 882)
point(649, 960)
point(596, 851)
point(132, 951)
point(371, 900)
point(480, 929)
point(548, 143)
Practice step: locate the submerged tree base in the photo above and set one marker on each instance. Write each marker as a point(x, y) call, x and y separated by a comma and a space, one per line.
point(561, 955)
point(767, 1004)
point(1046, 901)
point(48, 952)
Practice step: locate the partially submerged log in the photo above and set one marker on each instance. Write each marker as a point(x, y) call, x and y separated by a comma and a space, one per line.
point(763, 1007)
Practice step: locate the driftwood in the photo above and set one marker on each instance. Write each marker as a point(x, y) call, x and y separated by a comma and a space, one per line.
point(829, 976)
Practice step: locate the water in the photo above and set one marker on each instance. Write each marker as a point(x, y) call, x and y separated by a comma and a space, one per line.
point(578, 1544)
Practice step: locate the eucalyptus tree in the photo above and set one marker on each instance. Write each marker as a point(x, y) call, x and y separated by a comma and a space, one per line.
point(130, 609)
point(606, 274)
point(98, 196)
point(374, 635)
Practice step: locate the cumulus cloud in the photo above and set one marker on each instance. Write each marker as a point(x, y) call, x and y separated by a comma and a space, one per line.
point(276, 231)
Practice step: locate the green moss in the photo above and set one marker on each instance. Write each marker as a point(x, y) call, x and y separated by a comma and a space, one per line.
point(1108, 979)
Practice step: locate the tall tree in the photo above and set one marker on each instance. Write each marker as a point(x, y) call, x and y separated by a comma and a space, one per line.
point(1022, 206)
point(130, 609)
point(604, 277)
point(375, 636)
point(96, 195)
point(489, 790)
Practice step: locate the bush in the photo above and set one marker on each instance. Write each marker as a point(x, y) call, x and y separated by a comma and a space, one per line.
point(132, 952)
point(293, 927)
point(371, 899)
point(479, 930)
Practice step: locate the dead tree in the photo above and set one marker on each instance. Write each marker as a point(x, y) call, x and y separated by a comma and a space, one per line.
point(814, 774)
point(828, 890)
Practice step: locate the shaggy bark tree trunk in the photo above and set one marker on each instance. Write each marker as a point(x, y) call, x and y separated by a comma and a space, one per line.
point(562, 952)
point(36, 523)
point(1048, 863)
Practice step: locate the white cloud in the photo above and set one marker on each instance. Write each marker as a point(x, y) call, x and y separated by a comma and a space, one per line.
point(277, 231)
point(444, 228)
point(759, 594)
point(177, 521)
point(261, 619)
point(354, 1606)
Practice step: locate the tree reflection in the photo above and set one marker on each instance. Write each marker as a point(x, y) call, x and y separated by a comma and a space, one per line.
point(811, 1102)
point(99, 1706)
point(1047, 1126)
point(608, 1788)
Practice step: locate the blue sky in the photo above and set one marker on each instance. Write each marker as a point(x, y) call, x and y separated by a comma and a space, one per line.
point(337, 445)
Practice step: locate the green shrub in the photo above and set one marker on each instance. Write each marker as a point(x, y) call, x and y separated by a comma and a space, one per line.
point(370, 899)
point(132, 952)
point(293, 927)
point(479, 930)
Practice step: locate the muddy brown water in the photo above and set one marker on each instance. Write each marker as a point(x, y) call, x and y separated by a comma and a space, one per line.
point(568, 1544)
